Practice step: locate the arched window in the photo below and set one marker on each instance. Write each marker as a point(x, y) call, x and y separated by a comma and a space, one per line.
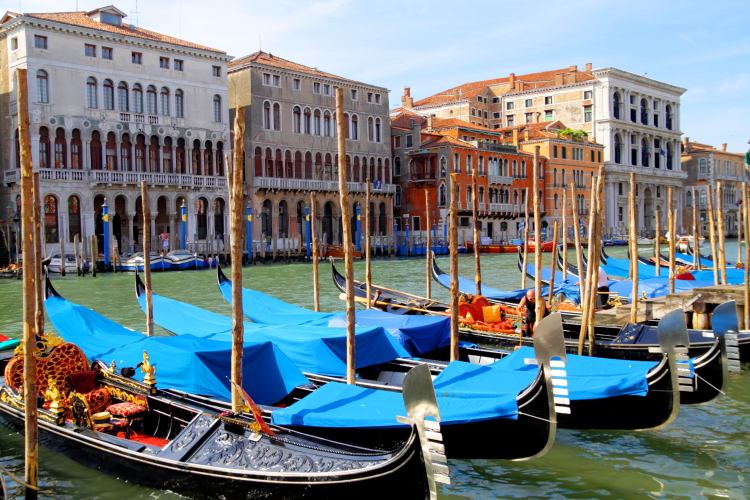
point(289, 172)
point(166, 155)
point(74, 217)
point(51, 231)
point(644, 112)
point(618, 148)
point(702, 166)
point(308, 165)
point(689, 199)
point(316, 122)
point(669, 118)
point(219, 216)
point(442, 196)
point(370, 129)
point(443, 167)
point(670, 156)
point(91, 93)
point(208, 156)
point(125, 155)
point(377, 130)
point(354, 128)
point(481, 194)
point(110, 151)
point(75, 150)
point(140, 153)
point(276, 116)
point(153, 154)
point(43, 147)
point(703, 197)
point(327, 124)
point(481, 165)
point(137, 98)
point(122, 97)
point(265, 218)
point(645, 153)
point(200, 215)
point(217, 108)
point(60, 149)
point(355, 166)
point(298, 165)
point(296, 119)
point(397, 197)
point(616, 106)
point(42, 86)
point(266, 115)
point(283, 224)
point(306, 122)
point(469, 168)
point(555, 200)
point(179, 103)
point(151, 100)
point(109, 95)
point(220, 158)
point(165, 101)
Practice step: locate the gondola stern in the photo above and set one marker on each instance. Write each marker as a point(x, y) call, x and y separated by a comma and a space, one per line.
point(140, 288)
point(49, 290)
point(220, 276)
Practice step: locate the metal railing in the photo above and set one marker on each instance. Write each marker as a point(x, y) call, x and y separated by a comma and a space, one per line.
point(501, 179)
point(314, 185)
point(118, 177)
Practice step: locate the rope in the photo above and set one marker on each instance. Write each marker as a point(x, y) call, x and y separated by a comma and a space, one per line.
point(709, 383)
point(534, 416)
point(14, 478)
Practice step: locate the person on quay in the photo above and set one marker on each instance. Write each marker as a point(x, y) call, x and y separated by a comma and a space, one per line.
point(529, 302)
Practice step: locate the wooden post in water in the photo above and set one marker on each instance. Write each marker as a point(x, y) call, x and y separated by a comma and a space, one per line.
point(38, 257)
point(526, 232)
point(672, 236)
point(657, 242)
point(565, 231)
point(29, 299)
point(351, 348)
point(146, 209)
point(712, 235)
point(236, 203)
point(554, 262)
point(575, 209)
point(93, 255)
point(633, 237)
point(368, 251)
point(428, 250)
point(453, 250)
point(740, 228)
point(696, 234)
point(475, 217)
point(63, 260)
point(596, 241)
point(314, 254)
point(537, 238)
point(75, 253)
point(746, 208)
point(722, 260)
point(589, 284)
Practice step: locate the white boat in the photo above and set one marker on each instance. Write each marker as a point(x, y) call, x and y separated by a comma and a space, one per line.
point(182, 259)
point(53, 263)
point(645, 241)
point(158, 263)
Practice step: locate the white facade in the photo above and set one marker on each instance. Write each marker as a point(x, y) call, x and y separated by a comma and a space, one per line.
point(108, 110)
point(637, 119)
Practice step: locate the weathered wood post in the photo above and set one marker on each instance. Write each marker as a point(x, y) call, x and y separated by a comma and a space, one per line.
point(722, 261)
point(746, 208)
point(146, 209)
point(537, 238)
point(453, 249)
point(38, 257)
point(75, 253)
point(314, 254)
point(28, 226)
point(597, 242)
point(235, 230)
point(526, 232)
point(712, 236)
point(351, 349)
point(657, 242)
point(740, 229)
point(577, 239)
point(565, 231)
point(592, 271)
point(554, 263)
point(63, 260)
point(428, 250)
point(696, 234)
point(475, 217)
point(368, 251)
point(672, 237)
point(94, 255)
point(633, 249)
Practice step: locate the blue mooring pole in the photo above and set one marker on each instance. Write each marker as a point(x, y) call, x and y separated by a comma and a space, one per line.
point(183, 216)
point(105, 220)
point(307, 229)
point(359, 231)
point(249, 231)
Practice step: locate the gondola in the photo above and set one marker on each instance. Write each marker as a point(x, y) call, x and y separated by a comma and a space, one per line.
point(530, 435)
point(161, 439)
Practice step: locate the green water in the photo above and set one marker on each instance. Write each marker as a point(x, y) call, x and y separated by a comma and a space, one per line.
point(704, 454)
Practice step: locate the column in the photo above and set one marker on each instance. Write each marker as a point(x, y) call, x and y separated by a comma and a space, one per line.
point(152, 228)
point(127, 238)
point(173, 237)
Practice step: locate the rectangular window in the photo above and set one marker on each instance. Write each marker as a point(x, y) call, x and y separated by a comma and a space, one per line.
point(107, 53)
point(510, 119)
point(369, 97)
point(619, 188)
point(377, 98)
point(40, 42)
point(495, 100)
point(326, 89)
point(632, 99)
point(509, 105)
point(529, 103)
point(89, 50)
point(416, 224)
point(619, 214)
point(587, 95)
point(564, 152)
point(266, 79)
point(548, 99)
point(216, 70)
point(136, 58)
point(554, 151)
point(396, 141)
point(473, 138)
point(587, 113)
point(316, 88)
point(485, 115)
point(177, 65)
point(14, 43)
point(599, 156)
point(297, 84)
point(548, 114)
point(164, 62)
point(409, 141)
point(276, 81)
point(578, 154)
point(529, 117)
point(496, 116)
point(633, 115)
point(354, 94)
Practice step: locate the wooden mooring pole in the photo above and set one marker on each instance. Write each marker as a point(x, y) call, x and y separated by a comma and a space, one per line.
point(38, 257)
point(236, 204)
point(633, 237)
point(576, 210)
point(553, 265)
point(475, 217)
point(746, 209)
point(537, 238)
point(428, 250)
point(526, 233)
point(565, 231)
point(712, 235)
point(368, 250)
point(453, 250)
point(346, 222)
point(657, 243)
point(314, 254)
point(722, 261)
point(28, 226)
point(696, 234)
point(63, 260)
point(146, 209)
point(672, 237)
point(75, 254)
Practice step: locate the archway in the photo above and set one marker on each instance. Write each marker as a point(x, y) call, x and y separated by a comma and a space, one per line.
point(327, 226)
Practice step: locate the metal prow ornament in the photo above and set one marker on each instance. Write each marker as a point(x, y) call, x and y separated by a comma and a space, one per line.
point(674, 342)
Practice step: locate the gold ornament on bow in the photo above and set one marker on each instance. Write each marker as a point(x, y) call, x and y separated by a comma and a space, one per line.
point(53, 395)
point(148, 370)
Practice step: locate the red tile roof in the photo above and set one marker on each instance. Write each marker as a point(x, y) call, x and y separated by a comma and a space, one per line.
point(447, 141)
point(697, 148)
point(404, 119)
point(83, 20)
point(267, 59)
point(444, 123)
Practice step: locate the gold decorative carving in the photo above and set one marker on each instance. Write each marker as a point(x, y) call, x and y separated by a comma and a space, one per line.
point(137, 399)
point(148, 370)
point(53, 395)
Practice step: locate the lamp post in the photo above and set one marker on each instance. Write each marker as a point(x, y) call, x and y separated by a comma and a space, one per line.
point(307, 228)
point(183, 216)
point(105, 228)
point(249, 231)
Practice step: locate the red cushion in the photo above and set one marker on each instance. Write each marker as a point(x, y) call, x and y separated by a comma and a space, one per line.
point(125, 409)
point(98, 399)
point(83, 382)
point(685, 276)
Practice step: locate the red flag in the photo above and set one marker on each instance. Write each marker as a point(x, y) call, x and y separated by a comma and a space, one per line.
point(255, 409)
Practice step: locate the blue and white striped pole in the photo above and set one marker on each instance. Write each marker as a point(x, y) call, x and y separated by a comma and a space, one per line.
point(105, 220)
point(183, 215)
point(359, 230)
point(307, 228)
point(249, 231)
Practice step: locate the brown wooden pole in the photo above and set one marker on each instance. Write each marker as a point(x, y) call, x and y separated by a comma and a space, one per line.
point(739, 233)
point(314, 254)
point(146, 209)
point(351, 348)
point(722, 261)
point(428, 250)
point(576, 210)
point(537, 237)
point(526, 232)
point(63, 260)
point(475, 217)
point(633, 249)
point(592, 271)
point(672, 236)
point(565, 231)
point(657, 242)
point(75, 253)
point(746, 208)
point(93, 255)
point(596, 241)
point(453, 249)
point(38, 257)
point(712, 235)
point(236, 204)
point(368, 249)
point(29, 299)
point(554, 262)
point(696, 234)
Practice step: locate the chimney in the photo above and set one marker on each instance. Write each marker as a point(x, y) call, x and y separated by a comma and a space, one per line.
point(429, 122)
point(515, 137)
point(559, 79)
point(588, 67)
point(512, 80)
point(573, 68)
point(724, 147)
point(685, 141)
point(406, 99)
point(526, 135)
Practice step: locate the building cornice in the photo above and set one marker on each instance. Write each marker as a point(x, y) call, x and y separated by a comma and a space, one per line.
point(446, 104)
point(543, 90)
point(340, 81)
point(638, 79)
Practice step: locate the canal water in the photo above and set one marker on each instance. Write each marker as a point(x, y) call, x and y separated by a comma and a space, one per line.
point(704, 454)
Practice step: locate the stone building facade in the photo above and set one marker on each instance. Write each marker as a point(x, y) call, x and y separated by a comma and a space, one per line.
point(111, 105)
point(290, 147)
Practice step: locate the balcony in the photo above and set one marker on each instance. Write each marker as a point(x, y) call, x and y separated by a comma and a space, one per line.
point(501, 179)
point(315, 185)
point(423, 176)
point(498, 148)
point(505, 208)
point(117, 177)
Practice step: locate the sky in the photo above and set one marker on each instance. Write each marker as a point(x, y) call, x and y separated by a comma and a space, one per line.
point(434, 45)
